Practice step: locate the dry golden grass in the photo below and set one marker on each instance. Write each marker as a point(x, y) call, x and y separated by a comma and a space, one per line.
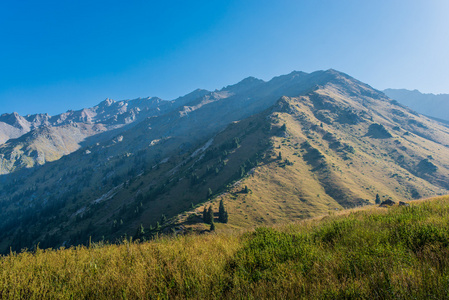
point(282, 193)
point(184, 266)
point(364, 253)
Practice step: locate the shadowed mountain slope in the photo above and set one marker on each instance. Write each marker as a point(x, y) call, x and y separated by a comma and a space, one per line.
point(333, 148)
point(34, 140)
point(302, 144)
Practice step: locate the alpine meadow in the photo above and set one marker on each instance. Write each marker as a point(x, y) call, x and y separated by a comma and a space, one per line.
point(300, 161)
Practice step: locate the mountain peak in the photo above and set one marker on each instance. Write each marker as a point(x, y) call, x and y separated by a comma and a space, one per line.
point(107, 102)
point(316, 134)
point(244, 85)
point(10, 118)
point(297, 73)
point(250, 79)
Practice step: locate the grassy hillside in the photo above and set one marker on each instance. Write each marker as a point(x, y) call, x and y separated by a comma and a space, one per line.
point(384, 253)
point(334, 145)
point(329, 161)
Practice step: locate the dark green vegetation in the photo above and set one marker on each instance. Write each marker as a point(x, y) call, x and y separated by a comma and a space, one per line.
point(378, 131)
point(297, 146)
point(371, 253)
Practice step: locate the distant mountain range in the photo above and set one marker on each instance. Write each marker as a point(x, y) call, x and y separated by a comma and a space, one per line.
point(298, 145)
point(108, 113)
point(36, 139)
point(44, 138)
point(436, 106)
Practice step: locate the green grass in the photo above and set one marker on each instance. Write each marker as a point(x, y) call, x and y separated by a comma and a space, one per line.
point(325, 166)
point(370, 253)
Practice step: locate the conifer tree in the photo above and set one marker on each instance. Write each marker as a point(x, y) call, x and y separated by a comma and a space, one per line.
point(140, 234)
point(222, 213)
point(205, 215)
point(210, 215)
point(242, 171)
point(163, 219)
point(377, 199)
point(212, 226)
point(236, 142)
point(141, 229)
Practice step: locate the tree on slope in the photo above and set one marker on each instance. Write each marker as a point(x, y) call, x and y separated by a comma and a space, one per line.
point(205, 215)
point(377, 199)
point(210, 215)
point(222, 213)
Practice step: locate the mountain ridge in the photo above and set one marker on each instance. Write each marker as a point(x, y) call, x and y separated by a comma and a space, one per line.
point(126, 112)
point(432, 105)
point(303, 144)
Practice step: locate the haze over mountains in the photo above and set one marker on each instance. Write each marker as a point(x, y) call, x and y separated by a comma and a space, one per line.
point(36, 139)
point(432, 105)
point(62, 134)
point(303, 144)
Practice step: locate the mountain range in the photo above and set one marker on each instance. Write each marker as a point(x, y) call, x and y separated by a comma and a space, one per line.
point(296, 146)
point(436, 106)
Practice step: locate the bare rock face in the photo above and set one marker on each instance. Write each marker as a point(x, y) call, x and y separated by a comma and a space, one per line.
point(108, 112)
point(9, 132)
point(40, 138)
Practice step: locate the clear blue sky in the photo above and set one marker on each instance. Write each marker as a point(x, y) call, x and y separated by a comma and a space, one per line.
point(65, 54)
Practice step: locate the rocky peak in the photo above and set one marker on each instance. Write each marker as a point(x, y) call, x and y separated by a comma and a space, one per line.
point(106, 102)
point(244, 85)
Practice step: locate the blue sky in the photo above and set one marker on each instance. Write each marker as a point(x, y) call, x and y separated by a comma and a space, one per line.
point(60, 55)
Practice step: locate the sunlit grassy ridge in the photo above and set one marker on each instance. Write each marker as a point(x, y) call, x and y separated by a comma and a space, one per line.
point(398, 252)
point(294, 157)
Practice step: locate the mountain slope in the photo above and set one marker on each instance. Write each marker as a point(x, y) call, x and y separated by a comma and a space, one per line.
point(343, 142)
point(436, 106)
point(233, 102)
point(330, 157)
point(37, 139)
